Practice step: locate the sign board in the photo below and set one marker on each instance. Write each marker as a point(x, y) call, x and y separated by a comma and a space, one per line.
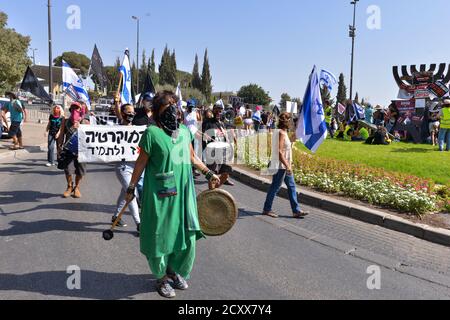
point(420, 103)
point(439, 89)
point(291, 107)
point(106, 144)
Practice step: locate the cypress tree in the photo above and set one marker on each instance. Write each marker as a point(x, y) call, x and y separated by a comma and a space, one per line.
point(342, 90)
point(196, 79)
point(206, 78)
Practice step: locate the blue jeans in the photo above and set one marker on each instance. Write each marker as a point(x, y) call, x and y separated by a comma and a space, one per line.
point(444, 138)
point(278, 179)
point(51, 149)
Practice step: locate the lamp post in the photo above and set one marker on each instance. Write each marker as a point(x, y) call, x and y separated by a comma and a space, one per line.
point(137, 53)
point(50, 54)
point(353, 36)
point(34, 55)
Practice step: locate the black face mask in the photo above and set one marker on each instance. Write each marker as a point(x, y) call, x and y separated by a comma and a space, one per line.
point(169, 120)
point(129, 117)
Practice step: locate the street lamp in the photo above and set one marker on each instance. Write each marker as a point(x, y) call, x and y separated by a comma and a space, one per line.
point(50, 56)
point(137, 52)
point(34, 55)
point(352, 35)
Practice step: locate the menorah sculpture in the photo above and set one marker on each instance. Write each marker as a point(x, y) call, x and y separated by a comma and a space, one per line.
point(417, 79)
point(417, 86)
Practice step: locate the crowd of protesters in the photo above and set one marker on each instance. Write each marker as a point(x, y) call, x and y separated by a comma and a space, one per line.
point(383, 126)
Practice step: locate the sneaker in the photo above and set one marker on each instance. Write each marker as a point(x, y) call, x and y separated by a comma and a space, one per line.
point(178, 282)
point(48, 165)
point(120, 224)
point(164, 289)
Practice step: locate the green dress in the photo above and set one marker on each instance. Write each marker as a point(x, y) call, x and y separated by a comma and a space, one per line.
point(169, 226)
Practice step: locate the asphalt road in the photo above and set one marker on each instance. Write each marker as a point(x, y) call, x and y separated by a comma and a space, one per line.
point(322, 257)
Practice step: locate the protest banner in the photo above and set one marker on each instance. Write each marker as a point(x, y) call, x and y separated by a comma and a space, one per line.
point(107, 144)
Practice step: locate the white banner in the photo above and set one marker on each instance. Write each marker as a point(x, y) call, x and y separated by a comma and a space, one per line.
point(105, 144)
point(291, 107)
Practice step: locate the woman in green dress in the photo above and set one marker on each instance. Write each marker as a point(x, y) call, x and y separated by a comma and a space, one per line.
point(169, 225)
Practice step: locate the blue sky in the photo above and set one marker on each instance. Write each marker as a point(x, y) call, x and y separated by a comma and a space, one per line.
point(272, 43)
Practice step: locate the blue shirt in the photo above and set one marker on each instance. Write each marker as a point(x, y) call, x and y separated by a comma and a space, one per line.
point(16, 116)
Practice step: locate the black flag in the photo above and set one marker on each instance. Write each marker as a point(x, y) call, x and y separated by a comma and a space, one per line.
point(97, 67)
point(31, 84)
point(149, 87)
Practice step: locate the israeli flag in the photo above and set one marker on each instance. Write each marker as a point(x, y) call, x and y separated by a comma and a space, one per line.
point(327, 78)
point(180, 98)
point(311, 127)
point(126, 96)
point(71, 82)
point(220, 103)
point(359, 111)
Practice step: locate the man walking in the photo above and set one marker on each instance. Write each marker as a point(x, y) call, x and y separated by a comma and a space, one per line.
point(16, 110)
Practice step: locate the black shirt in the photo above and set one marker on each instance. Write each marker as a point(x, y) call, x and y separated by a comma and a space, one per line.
point(142, 119)
point(55, 125)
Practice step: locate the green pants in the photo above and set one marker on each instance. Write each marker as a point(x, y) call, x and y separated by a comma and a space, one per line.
point(179, 262)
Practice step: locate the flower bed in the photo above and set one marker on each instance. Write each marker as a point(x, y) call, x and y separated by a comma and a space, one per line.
point(405, 193)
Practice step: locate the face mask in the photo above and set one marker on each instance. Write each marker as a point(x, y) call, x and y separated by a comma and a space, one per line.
point(76, 115)
point(129, 117)
point(169, 120)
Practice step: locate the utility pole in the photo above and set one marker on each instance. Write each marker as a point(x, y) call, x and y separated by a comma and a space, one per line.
point(50, 54)
point(353, 36)
point(34, 55)
point(137, 53)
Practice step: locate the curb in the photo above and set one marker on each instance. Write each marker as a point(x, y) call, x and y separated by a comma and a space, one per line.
point(11, 153)
point(350, 210)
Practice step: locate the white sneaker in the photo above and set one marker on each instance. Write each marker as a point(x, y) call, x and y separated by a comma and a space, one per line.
point(48, 165)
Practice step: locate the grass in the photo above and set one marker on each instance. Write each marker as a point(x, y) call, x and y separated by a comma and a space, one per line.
point(419, 160)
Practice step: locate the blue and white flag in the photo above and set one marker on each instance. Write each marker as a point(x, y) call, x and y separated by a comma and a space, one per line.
point(311, 127)
point(180, 98)
point(71, 82)
point(359, 112)
point(220, 103)
point(328, 79)
point(126, 96)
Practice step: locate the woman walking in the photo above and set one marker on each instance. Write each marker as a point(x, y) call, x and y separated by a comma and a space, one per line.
point(169, 226)
point(124, 171)
point(53, 131)
point(282, 164)
point(69, 129)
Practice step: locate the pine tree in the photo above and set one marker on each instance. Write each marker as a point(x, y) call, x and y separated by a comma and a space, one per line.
point(357, 98)
point(142, 72)
point(134, 75)
point(152, 67)
point(342, 90)
point(196, 80)
point(206, 77)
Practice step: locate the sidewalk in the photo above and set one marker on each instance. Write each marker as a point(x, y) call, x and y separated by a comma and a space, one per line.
point(33, 139)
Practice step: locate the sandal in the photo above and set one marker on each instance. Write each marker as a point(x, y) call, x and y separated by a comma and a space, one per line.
point(300, 215)
point(14, 148)
point(270, 214)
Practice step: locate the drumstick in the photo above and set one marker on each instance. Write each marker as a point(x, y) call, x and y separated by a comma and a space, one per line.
point(119, 217)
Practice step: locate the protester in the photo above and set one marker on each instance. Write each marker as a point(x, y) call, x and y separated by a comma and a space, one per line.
point(378, 116)
point(434, 124)
point(69, 129)
point(248, 121)
point(16, 111)
point(444, 132)
point(143, 115)
point(53, 132)
point(282, 164)
point(257, 119)
point(380, 137)
point(192, 121)
point(391, 118)
point(124, 171)
point(329, 117)
point(369, 113)
point(170, 226)
point(215, 131)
